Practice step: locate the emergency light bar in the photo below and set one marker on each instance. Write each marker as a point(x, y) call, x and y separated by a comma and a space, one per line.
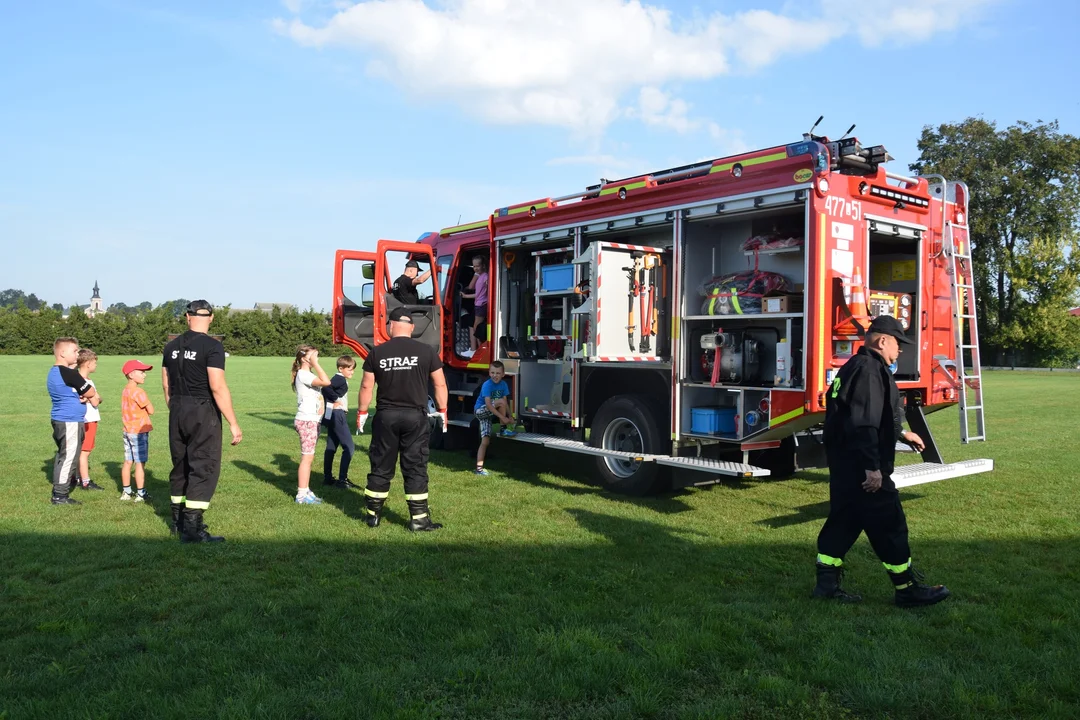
point(888, 193)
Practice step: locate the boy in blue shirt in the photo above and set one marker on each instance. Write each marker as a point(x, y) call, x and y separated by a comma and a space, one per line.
point(335, 397)
point(494, 402)
point(69, 392)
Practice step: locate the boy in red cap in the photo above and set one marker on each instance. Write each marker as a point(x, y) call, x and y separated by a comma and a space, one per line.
point(136, 410)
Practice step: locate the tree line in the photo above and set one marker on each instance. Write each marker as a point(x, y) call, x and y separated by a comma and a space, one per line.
point(31, 332)
point(1025, 233)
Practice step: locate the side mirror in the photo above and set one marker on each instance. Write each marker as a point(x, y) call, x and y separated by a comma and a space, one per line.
point(367, 293)
point(368, 271)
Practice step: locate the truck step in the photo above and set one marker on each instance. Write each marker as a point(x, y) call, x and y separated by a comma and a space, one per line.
point(560, 443)
point(920, 473)
point(715, 467)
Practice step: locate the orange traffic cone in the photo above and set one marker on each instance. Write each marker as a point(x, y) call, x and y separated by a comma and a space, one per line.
point(859, 311)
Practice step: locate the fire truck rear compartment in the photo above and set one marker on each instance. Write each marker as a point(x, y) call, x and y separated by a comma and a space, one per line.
point(895, 276)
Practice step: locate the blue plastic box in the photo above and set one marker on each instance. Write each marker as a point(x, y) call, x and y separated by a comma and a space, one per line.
point(557, 277)
point(712, 420)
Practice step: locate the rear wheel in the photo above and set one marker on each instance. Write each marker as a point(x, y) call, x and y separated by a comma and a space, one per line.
point(629, 423)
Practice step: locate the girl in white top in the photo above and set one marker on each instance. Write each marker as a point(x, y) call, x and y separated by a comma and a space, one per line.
point(87, 363)
point(307, 377)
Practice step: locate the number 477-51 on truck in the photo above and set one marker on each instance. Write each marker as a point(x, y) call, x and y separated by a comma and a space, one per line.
point(684, 326)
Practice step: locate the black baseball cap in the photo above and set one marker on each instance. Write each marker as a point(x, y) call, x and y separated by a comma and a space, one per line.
point(400, 315)
point(412, 264)
point(196, 308)
point(888, 325)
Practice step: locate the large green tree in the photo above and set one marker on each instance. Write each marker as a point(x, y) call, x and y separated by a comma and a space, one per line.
point(1024, 216)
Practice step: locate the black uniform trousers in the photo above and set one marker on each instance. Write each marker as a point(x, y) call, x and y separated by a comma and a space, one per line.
point(404, 430)
point(852, 511)
point(68, 437)
point(337, 435)
point(195, 445)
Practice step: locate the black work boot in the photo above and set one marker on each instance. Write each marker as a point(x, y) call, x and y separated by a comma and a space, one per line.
point(372, 508)
point(195, 530)
point(828, 585)
point(911, 592)
point(419, 517)
point(177, 526)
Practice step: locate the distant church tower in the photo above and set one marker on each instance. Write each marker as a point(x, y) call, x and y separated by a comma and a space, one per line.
point(95, 303)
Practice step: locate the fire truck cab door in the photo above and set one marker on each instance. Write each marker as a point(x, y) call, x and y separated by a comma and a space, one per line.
point(390, 259)
point(353, 317)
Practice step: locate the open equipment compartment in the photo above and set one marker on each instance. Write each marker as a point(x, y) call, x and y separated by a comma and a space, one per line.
point(742, 312)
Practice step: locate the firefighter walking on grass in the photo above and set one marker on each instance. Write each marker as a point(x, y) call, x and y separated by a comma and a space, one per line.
point(402, 368)
point(863, 422)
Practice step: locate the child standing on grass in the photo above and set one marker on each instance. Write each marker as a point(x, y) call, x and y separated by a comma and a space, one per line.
point(336, 397)
point(307, 377)
point(494, 402)
point(136, 409)
point(87, 363)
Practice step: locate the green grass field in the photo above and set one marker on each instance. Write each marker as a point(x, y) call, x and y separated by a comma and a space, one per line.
point(543, 597)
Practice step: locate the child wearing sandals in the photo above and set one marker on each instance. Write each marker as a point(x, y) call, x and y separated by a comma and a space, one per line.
point(494, 402)
point(307, 379)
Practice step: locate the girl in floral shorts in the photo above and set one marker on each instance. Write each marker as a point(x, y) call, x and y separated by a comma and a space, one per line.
point(307, 377)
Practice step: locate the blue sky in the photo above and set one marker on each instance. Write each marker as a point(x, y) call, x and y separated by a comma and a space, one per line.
point(225, 150)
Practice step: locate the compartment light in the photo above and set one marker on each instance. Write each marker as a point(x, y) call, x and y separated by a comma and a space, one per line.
point(823, 185)
point(736, 170)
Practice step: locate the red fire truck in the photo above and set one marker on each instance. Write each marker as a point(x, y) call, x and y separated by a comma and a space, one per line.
point(684, 326)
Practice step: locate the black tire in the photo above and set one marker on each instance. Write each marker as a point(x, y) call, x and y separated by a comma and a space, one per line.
point(630, 423)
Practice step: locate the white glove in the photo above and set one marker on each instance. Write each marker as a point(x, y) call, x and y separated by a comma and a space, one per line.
point(442, 416)
point(361, 419)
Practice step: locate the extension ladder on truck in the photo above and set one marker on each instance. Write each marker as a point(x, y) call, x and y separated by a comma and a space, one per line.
point(965, 324)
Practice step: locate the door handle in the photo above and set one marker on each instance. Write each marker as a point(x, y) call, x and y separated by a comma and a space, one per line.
point(924, 320)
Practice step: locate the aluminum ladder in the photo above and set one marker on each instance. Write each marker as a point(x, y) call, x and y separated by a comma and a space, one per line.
point(968, 363)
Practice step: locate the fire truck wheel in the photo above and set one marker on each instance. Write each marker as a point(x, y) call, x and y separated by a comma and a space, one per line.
point(628, 423)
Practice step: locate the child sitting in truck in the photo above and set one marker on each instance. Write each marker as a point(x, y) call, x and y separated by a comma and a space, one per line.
point(494, 402)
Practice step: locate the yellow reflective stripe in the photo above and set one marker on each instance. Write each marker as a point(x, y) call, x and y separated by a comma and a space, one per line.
point(895, 569)
point(829, 560)
point(198, 504)
point(735, 301)
point(419, 517)
point(373, 494)
point(787, 416)
point(759, 160)
point(477, 365)
point(176, 499)
point(417, 496)
point(463, 228)
point(631, 186)
point(368, 511)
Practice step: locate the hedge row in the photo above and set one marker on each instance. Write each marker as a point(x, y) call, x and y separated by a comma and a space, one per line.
point(26, 332)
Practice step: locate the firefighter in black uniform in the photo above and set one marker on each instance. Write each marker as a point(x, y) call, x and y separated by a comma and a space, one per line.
point(193, 378)
point(402, 367)
point(863, 421)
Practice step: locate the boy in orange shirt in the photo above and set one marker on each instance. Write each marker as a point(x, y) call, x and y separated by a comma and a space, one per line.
point(136, 410)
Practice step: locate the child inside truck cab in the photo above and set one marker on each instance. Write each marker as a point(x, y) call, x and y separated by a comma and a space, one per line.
point(478, 291)
point(494, 402)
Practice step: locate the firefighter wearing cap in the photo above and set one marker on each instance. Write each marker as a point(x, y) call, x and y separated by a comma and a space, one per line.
point(404, 287)
point(193, 378)
point(863, 421)
point(402, 368)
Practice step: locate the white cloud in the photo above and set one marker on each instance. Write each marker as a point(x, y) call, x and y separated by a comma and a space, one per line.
point(571, 63)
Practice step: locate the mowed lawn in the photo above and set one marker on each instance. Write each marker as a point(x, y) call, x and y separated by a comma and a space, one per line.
point(543, 597)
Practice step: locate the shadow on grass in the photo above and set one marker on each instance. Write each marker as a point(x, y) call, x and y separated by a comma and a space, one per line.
point(523, 462)
point(350, 502)
point(284, 419)
point(814, 512)
point(157, 488)
point(643, 623)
